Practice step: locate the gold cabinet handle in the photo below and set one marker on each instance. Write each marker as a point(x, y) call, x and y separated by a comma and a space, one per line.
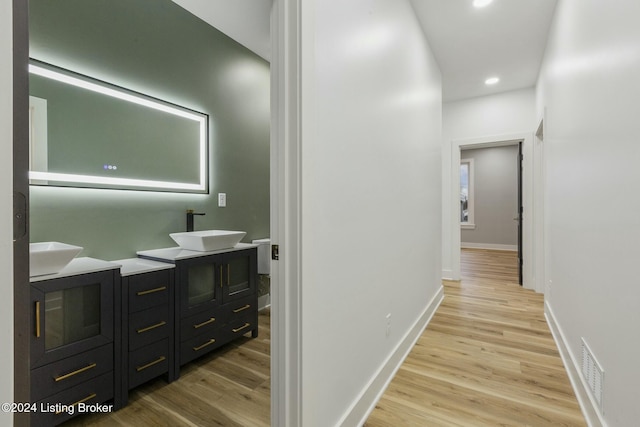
point(91, 396)
point(37, 319)
point(79, 371)
point(246, 325)
point(148, 328)
point(200, 347)
point(150, 291)
point(228, 274)
point(238, 310)
point(221, 283)
point(150, 364)
point(200, 325)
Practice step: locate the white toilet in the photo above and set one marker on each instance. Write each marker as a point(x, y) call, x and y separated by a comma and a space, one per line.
point(264, 269)
point(264, 255)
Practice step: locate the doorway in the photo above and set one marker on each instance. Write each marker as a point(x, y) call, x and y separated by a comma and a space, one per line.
point(21, 372)
point(490, 198)
point(528, 239)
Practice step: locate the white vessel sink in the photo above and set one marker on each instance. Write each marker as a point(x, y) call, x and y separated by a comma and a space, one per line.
point(208, 240)
point(50, 257)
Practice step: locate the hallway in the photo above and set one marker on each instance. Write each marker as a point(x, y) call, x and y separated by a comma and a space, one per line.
point(487, 358)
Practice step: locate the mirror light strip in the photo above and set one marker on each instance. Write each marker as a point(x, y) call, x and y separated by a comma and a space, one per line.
point(89, 179)
point(54, 75)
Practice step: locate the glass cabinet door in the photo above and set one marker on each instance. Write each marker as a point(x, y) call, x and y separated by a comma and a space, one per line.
point(239, 275)
point(71, 315)
point(201, 282)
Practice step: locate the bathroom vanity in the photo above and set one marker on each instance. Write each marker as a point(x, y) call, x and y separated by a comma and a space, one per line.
point(216, 297)
point(75, 344)
point(100, 329)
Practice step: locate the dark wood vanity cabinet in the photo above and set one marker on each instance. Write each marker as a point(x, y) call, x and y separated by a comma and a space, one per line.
point(147, 328)
point(216, 298)
point(75, 340)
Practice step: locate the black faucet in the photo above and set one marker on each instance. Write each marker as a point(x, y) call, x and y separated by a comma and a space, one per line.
point(190, 215)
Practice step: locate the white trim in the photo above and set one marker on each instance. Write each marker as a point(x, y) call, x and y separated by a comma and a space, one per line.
point(447, 275)
point(587, 403)
point(366, 401)
point(527, 194)
point(490, 246)
point(467, 226)
point(285, 201)
point(539, 182)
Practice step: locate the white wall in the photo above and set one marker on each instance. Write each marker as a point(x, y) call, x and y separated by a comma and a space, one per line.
point(6, 217)
point(371, 192)
point(590, 88)
point(504, 113)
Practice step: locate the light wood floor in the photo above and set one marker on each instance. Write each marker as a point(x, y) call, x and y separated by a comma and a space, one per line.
point(487, 358)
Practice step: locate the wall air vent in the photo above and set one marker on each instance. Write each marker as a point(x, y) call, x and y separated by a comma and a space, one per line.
point(593, 374)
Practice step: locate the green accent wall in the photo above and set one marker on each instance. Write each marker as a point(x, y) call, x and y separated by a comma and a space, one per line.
point(157, 48)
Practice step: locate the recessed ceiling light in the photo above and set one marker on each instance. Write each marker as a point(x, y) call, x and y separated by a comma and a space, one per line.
point(491, 81)
point(481, 3)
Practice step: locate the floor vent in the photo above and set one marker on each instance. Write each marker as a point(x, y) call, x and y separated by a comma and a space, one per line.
point(593, 374)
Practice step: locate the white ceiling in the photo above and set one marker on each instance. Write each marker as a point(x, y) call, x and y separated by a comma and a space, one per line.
point(246, 21)
point(505, 39)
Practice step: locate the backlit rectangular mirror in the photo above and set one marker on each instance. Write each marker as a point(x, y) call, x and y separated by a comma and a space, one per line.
point(89, 133)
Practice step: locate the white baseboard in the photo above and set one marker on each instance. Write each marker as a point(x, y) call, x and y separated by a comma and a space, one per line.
point(492, 246)
point(362, 407)
point(587, 403)
point(447, 274)
point(264, 301)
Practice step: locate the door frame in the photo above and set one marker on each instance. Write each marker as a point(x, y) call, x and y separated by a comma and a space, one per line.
point(21, 296)
point(286, 212)
point(531, 269)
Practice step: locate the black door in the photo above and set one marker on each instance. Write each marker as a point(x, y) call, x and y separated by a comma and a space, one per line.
point(520, 210)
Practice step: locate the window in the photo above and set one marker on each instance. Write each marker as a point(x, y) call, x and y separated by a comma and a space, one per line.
point(466, 193)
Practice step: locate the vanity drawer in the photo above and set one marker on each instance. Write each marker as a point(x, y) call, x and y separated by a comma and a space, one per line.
point(240, 308)
point(97, 390)
point(241, 325)
point(149, 290)
point(199, 323)
point(148, 326)
point(69, 372)
point(148, 363)
point(202, 344)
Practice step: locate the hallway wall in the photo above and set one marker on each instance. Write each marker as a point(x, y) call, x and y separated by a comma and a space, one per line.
point(371, 191)
point(588, 94)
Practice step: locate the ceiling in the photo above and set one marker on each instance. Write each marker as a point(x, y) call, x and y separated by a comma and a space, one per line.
point(505, 39)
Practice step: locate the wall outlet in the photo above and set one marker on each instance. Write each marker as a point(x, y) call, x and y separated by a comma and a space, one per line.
point(222, 200)
point(388, 330)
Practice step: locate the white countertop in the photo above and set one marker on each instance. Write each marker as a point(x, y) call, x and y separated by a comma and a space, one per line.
point(77, 266)
point(177, 253)
point(132, 266)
